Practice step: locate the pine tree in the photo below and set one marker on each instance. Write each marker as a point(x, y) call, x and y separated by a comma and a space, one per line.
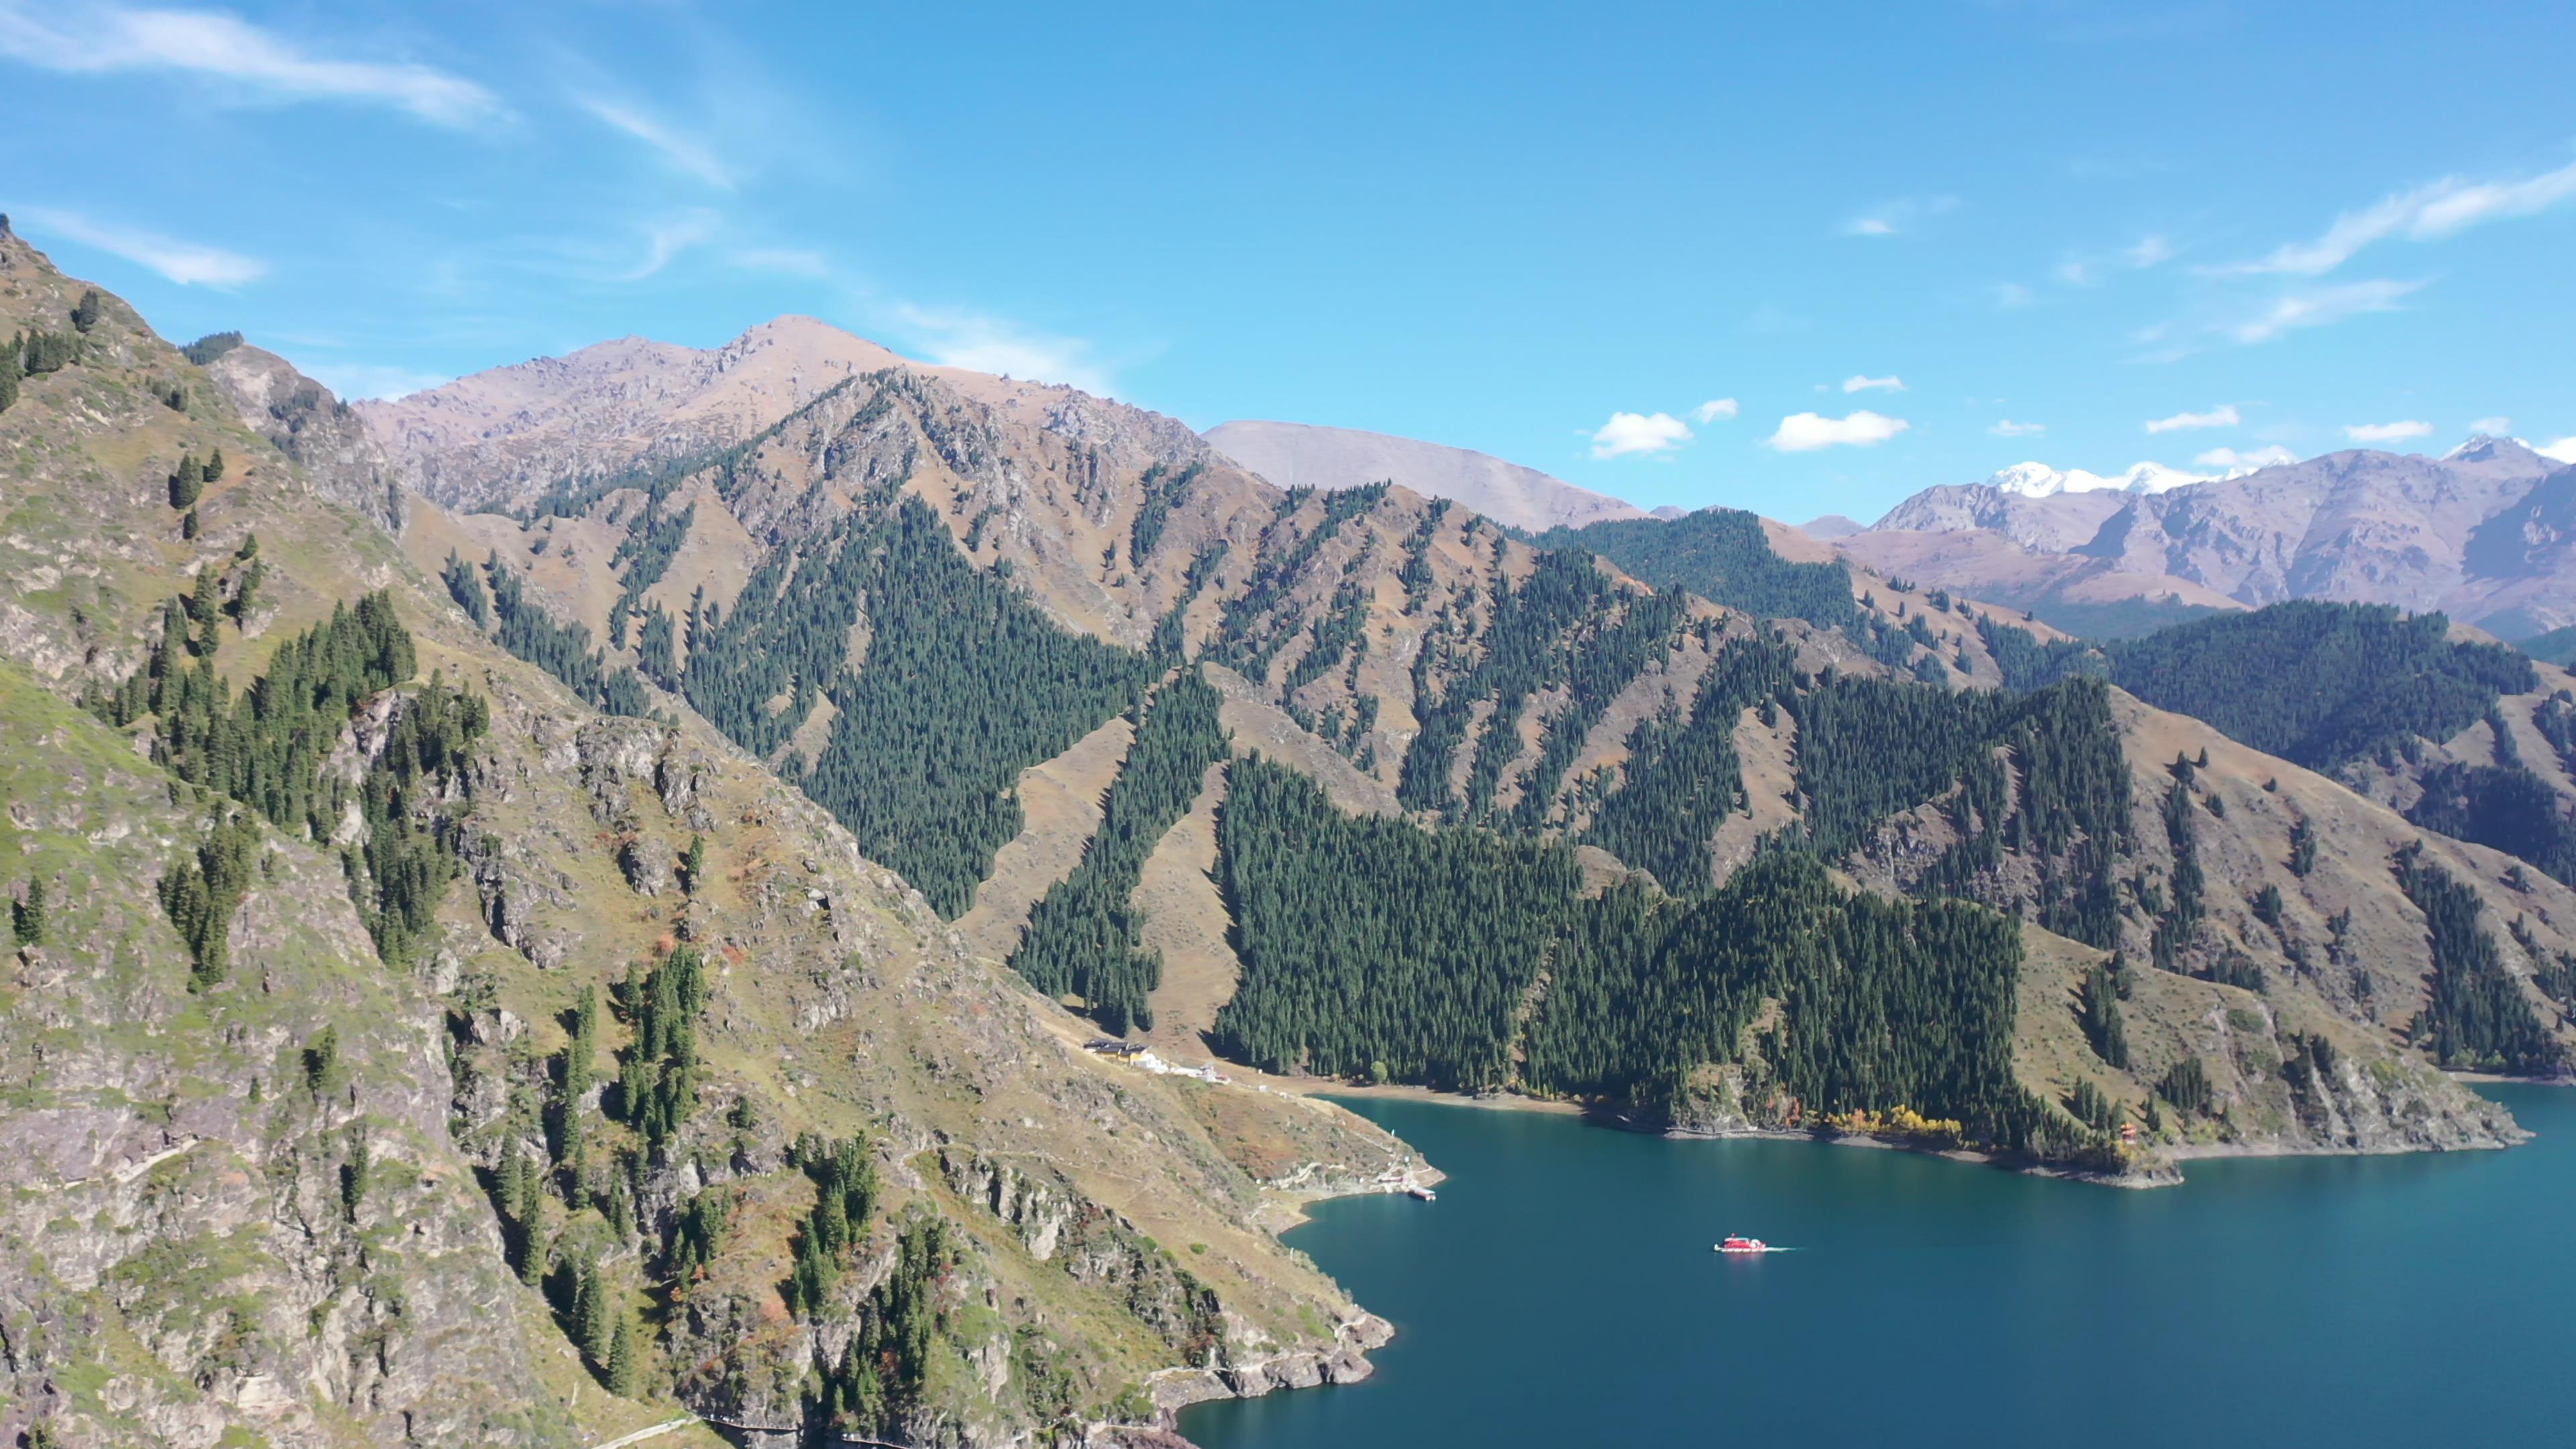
point(2101, 1014)
point(27, 916)
point(625, 1359)
point(85, 311)
point(186, 482)
point(189, 526)
point(214, 466)
point(693, 866)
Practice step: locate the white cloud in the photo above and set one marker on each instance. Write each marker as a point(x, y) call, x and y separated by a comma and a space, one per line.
point(1806, 432)
point(687, 154)
point(2426, 213)
point(666, 239)
point(211, 43)
point(2010, 429)
point(1858, 382)
point(2387, 432)
point(2564, 450)
point(952, 337)
point(2221, 416)
point(2012, 294)
point(1713, 409)
point(2246, 462)
point(2145, 252)
point(2316, 309)
point(2149, 251)
point(1646, 433)
point(185, 263)
point(2492, 427)
point(1897, 216)
point(353, 380)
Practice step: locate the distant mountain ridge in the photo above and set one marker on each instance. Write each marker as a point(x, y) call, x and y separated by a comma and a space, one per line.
point(2486, 532)
point(1301, 455)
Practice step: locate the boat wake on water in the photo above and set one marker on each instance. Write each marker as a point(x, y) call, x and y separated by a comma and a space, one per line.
point(1735, 1244)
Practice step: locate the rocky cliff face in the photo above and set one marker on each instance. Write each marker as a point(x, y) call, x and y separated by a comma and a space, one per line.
point(319, 432)
point(234, 1211)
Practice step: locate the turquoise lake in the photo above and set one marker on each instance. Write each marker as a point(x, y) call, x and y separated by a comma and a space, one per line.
point(1562, 1291)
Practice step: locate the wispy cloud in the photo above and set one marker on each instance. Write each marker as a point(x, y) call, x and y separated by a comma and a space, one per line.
point(2397, 432)
point(1639, 434)
point(2222, 416)
point(186, 263)
point(2564, 450)
point(979, 342)
point(1860, 382)
point(2013, 294)
point(1901, 215)
point(686, 154)
point(2010, 429)
point(105, 39)
point(794, 261)
point(664, 240)
point(2317, 308)
point(1713, 409)
point(2492, 427)
point(1807, 432)
point(2234, 461)
point(2426, 213)
point(2087, 269)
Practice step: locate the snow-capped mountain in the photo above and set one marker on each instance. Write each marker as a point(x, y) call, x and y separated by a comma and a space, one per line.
point(2038, 480)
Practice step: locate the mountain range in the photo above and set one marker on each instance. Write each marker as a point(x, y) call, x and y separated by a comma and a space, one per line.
point(655, 885)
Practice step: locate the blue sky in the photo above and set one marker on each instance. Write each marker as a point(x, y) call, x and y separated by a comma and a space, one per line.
point(1800, 259)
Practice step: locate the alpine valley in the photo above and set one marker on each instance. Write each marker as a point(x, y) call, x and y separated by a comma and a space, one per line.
point(661, 885)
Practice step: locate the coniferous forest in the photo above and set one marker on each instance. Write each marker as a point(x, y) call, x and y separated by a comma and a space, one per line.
point(1082, 935)
point(964, 684)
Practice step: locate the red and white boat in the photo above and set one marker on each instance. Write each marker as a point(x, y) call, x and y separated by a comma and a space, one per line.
point(1734, 1244)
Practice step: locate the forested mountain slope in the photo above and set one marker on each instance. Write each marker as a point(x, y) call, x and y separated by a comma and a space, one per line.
point(654, 797)
point(1552, 721)
point(405, 1048)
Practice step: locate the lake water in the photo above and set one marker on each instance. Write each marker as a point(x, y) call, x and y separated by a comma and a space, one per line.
point(1562, 1292)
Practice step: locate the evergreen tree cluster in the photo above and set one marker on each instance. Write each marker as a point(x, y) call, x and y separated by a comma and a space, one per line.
point(1375, 941)
point(657, 1085)
point(1870, 748)
point(465, 586)
point(2098, 1009)
point(2478, 1018)
point(1260, 621)
point(2186, 1085)
point(965, 684)
point(1082, 936)
point(1536, 636)
point(42, 352)
point(905, 1325)
point(206, 349)
point(266, 749)
point(1373, 947)
point(2505, 806)
point(562, 650)
point(1683, 777)
point(2321, 684)
point(1164, 488)
point(845, 1196)
point(2028, 664)
point(1721, 555)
